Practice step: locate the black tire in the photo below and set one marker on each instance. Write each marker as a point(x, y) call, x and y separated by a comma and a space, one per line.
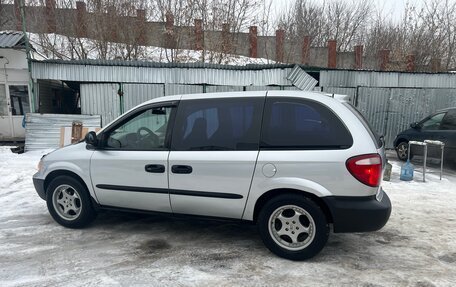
point(80, 200)
point(305, 205)
point(402, 151)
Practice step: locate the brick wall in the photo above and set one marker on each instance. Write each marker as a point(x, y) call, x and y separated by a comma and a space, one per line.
point(136, 29)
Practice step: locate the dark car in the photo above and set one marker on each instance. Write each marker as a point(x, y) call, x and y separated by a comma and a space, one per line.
point(440, 126)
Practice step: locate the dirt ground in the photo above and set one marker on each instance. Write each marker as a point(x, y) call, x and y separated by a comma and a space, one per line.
point(417, 247)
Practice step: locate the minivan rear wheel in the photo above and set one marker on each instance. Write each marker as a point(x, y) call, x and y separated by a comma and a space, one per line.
point(69, 202)
point(293, 227)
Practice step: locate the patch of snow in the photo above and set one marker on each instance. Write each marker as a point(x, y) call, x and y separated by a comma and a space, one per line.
point(417, 247)
point(63, 47)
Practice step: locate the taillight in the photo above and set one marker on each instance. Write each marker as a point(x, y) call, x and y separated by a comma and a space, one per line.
point(366, 168)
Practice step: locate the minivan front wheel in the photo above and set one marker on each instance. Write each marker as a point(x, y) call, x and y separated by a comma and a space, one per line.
point(402, 151)
point(69, 203)
point(293, 227)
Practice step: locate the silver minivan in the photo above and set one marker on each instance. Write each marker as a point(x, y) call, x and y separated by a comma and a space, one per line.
point(294, 163)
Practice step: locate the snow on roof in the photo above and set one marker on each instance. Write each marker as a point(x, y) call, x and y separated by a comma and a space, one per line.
point(153, 64)
point(12, 39)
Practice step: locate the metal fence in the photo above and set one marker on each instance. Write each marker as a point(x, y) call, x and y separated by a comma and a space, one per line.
point(42, 131)
point(392, 110)
point(103, 100)
point(391, 101)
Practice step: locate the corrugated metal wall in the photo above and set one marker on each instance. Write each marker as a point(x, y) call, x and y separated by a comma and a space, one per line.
point(135, 94)
point(341, 91)
point(100, 99)
point(42, 131)
point(173, 89)
point(392, 110)
point(220, 89)
point(391, 101)
point(137, 74)
point(353, 79)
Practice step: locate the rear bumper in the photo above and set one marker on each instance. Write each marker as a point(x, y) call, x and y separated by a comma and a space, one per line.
point(358, 214)
point(39, 187)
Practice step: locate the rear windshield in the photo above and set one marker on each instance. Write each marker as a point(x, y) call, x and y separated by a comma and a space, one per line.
point(375, 137)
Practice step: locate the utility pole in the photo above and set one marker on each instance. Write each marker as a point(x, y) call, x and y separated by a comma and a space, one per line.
point(29, 59)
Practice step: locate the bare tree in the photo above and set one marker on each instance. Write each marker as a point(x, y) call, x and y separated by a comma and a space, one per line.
point(112, 30)
point(237, 14)
point(267, 24)
point(339, 20)
point(427, 32)
point(4, 18)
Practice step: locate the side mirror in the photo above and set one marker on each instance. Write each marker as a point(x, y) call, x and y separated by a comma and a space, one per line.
point(91, 139)
point(415, 126)
point(158, 111)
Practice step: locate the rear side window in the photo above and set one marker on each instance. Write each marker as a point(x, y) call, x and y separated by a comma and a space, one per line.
point(218, 124)
point(291, 123)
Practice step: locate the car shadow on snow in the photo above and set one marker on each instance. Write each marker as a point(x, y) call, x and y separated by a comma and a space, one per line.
point(157, 235)
point(221, 242)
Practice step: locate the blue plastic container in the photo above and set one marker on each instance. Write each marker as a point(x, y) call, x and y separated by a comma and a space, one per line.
point(407, 171)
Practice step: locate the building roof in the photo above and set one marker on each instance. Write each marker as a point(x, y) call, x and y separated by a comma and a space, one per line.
point(12, 39)
point(147, 64)
point(115, 71)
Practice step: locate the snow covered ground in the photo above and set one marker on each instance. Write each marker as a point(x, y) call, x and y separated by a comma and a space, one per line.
point(417, 247)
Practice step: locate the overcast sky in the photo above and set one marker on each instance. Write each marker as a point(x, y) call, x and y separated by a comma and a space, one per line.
point(389, 8)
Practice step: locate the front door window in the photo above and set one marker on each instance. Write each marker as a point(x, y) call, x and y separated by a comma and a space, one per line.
point(433, 123)
point(145, 131)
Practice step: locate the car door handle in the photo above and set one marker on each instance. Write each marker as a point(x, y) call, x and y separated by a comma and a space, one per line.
point(155, 168)
point(182, 169)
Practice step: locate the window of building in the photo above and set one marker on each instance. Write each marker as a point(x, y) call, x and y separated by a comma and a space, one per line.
point(3, 103)
point(19, 100)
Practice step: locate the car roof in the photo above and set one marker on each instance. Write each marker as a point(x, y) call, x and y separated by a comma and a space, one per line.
point(317, 96)
point(446, 109)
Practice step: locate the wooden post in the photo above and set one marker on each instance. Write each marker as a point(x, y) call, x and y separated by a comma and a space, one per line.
point(76, 131)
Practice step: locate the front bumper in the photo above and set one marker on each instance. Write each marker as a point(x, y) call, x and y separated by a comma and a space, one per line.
point(359, 214)
point(39, 187)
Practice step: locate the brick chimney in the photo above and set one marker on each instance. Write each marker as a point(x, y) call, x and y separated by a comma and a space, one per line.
point(305, 52)
point(359, 51)
point(280, 39)
point(81, 10)
point(436, 65)
point(50, 16)
point(253, 41)
point(17, 12)
point(226, 38)
point(410, 63)
point(141, 23)
point(384, 59)
point(170, 41)
point(199, 36)
point(332, 54)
